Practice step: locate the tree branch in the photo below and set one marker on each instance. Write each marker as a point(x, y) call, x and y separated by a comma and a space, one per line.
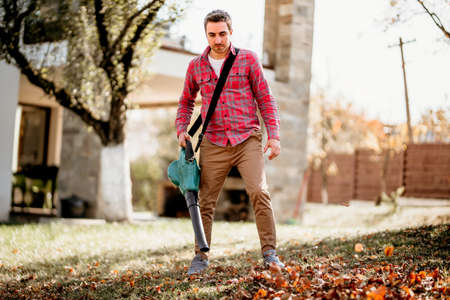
point(61, 95)
point(101, 28)
point(108, 52)
point(105, 63)
point(435, 19)
point(128, 25)
point(129, 50)
point(116, 116)
point(12, 14)
point(118, 102)
point(31, 7)
point(9, 6)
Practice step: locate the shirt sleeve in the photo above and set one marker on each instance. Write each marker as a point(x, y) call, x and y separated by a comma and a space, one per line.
point(187, 100)
point(266, 103)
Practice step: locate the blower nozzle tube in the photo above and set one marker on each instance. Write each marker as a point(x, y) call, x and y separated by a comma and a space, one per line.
point(194, 212)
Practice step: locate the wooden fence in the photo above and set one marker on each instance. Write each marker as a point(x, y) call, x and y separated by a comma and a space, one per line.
point(340, 186)
point(427, 171)
point(423, 169)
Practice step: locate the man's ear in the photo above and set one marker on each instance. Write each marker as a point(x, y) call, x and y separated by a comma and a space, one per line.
point(231, 31)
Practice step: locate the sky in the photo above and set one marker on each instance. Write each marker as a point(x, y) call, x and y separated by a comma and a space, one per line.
point(352, 57)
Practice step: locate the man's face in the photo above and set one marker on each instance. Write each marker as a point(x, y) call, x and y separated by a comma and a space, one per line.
point(218, 36)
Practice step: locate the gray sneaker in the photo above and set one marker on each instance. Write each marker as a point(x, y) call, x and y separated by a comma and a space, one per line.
point(198, 265)
point(270, 256)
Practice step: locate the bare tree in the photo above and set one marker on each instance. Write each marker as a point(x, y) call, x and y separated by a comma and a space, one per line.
point(436, 19)
point(437, 10)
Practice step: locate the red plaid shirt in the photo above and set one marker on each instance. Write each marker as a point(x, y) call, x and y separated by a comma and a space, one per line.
point(235, 116)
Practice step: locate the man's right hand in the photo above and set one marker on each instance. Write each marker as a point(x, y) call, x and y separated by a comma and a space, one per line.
point(182, 139)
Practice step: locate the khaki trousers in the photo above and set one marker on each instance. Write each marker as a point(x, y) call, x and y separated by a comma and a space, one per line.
point(216, 163)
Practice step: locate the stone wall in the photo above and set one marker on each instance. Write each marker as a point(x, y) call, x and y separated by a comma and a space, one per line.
point(80, 162)
point(288, 44)
point(270, 32)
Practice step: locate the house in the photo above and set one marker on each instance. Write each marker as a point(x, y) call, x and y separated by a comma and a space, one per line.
point(36, 130)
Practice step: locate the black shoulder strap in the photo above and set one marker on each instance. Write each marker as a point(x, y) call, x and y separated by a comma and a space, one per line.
point(216, 95)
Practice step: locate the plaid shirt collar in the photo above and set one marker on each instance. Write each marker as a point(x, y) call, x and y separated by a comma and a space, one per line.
point(208, 49)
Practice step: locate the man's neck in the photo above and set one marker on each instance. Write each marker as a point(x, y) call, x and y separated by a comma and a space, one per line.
point(216, 55)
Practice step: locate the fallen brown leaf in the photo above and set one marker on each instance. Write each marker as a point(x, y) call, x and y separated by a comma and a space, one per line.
point(359, 247)
point(389, 250)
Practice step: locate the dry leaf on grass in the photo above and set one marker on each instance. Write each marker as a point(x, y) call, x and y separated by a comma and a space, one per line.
point(389, 250)
point(359, 247)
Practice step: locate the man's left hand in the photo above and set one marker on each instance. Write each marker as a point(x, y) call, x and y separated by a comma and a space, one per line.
point(274, 146)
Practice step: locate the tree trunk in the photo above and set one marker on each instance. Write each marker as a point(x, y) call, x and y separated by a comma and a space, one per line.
point(114, 197)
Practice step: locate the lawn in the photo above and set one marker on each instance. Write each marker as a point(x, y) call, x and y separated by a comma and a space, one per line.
point(360, 252)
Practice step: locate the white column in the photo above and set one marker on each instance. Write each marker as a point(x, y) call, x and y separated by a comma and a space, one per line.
point(9, 85)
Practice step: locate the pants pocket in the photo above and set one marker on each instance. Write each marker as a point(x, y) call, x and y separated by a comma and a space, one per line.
point(257, 134)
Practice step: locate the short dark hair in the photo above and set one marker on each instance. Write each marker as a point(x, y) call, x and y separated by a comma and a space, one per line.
point(218, 15)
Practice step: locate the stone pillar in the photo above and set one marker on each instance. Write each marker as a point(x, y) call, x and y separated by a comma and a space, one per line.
point(9, 85)
point(291, 47)
point(270, 32)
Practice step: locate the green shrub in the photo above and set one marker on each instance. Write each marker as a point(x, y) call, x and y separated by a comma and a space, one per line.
point(146, 174)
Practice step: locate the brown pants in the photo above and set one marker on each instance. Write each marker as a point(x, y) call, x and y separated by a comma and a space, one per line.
point(216, 163)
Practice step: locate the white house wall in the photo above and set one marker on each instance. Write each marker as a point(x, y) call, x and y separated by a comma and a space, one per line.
point(9, 85)
point(163, 85)
point(170, 63)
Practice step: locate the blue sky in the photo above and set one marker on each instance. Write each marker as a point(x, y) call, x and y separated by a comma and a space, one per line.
point(351, 57)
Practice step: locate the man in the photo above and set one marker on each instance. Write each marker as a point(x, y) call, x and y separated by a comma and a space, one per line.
point(233, 136)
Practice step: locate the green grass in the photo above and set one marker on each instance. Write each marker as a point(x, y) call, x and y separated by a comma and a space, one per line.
point(149, 260)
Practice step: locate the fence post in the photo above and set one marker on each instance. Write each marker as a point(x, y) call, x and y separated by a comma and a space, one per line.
point(405, 161)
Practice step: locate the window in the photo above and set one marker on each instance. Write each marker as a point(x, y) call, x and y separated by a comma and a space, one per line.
point(33, 136)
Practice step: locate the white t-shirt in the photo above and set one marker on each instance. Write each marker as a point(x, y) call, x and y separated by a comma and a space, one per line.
point(216, 64)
